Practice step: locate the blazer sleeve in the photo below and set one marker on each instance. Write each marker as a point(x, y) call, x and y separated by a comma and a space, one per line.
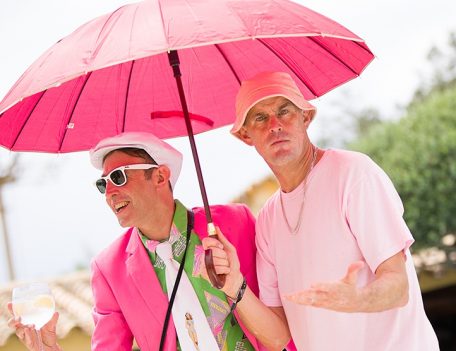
point(237, 223)
point(111, 329)
point(244, 239)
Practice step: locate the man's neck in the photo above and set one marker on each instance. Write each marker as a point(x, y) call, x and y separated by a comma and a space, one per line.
point(292, 174)
point(160, 223)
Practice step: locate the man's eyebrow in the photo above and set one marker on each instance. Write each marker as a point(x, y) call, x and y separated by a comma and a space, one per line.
point(286, 104)
point(256, 113)
point(251, 113)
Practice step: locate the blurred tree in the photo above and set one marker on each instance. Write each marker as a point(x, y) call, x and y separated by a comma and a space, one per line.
point(364, 120)
point(419, 154)
point(443, 66)
point(8, 173)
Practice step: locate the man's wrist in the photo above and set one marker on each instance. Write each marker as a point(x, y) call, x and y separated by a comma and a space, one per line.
point(232, 295)
point(239, 294)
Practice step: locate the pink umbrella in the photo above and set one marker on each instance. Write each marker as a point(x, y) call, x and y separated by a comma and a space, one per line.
point(113, 73)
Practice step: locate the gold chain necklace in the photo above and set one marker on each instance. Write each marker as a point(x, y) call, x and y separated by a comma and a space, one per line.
point(298, 225)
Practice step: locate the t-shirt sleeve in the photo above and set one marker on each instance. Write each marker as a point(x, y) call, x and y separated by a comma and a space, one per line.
point(374, 214)
point(266, 272)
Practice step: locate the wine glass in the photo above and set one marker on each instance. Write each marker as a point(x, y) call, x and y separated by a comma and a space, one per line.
point(35, 304)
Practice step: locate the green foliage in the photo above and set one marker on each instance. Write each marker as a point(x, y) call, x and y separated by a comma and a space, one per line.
point(418, 152)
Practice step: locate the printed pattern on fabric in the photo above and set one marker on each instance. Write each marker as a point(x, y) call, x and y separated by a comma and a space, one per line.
point(226, 329)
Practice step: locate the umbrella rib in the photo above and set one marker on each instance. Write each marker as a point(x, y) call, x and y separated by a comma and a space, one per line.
point(365, 48)
point(105, 24)
point(25, 122)
point(285, 63)
point(333, 55)
point(356, 74)
point(127, 93)
point(219, 49)
point(74, 107)
point(163, 24)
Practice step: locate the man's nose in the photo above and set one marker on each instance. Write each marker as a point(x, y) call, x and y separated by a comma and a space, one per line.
point(274, 123)
point(110, 188)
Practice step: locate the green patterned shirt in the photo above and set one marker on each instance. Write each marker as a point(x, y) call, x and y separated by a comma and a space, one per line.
point(227, 331)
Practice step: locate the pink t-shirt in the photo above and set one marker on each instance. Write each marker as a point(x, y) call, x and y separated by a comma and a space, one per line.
point(352, 212)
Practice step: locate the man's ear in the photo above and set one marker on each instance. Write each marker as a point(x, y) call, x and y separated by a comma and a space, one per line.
point(163, 174)
point(244, 136)
point(307, 116)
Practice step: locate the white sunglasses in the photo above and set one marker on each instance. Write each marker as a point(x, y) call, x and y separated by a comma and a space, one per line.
point(118, 177)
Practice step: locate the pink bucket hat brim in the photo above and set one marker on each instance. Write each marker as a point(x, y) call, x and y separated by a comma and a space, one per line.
point(263, 86)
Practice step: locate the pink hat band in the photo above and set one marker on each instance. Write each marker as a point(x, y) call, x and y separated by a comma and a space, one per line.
point(263, 86)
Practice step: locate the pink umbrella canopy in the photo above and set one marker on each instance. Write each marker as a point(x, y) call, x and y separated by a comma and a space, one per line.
point(112, 74)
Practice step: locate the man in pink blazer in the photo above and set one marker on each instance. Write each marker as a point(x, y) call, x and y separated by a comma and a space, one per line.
point(139, 173)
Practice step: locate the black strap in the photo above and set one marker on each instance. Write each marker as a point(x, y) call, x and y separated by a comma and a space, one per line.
point(190, 220)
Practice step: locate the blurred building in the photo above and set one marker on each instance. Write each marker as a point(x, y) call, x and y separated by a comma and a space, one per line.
point(257, 194)
point(73, 299)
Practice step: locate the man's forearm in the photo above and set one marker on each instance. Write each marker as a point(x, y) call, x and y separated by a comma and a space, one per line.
point(390, 290)
point(270, 328)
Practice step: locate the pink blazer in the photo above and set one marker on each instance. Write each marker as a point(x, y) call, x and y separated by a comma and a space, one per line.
point(129, 302)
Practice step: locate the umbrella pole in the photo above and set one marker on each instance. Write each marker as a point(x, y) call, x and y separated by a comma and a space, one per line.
point(218, 280)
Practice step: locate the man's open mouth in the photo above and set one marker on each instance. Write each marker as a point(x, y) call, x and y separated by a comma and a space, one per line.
point(119, 206)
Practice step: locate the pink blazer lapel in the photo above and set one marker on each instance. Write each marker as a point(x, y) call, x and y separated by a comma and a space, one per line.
point(143, 277)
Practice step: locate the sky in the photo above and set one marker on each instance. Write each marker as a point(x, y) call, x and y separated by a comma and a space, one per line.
point(56, 219)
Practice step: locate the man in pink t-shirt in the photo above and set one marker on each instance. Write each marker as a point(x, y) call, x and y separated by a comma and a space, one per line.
point(333, 257)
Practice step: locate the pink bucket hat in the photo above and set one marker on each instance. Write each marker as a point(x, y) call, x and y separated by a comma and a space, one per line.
point(265, 85)
point(161, 152)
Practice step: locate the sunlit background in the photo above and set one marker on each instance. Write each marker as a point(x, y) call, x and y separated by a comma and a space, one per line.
point(55, 219)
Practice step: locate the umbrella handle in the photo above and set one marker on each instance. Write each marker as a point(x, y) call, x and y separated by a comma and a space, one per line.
point(217, 280)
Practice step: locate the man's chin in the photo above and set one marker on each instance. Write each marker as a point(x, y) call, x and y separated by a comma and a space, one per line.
point(124, 223)
point(280, 158)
